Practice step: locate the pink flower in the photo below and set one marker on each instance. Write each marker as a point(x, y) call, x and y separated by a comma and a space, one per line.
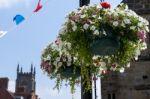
point(74, 18)
point(105, 5)
point(46, 66)
point(141, 35)
point(57, 42)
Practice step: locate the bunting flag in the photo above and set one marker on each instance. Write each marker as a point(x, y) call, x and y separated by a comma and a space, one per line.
point(2, 33)
point(18, 19)
point(39, 6)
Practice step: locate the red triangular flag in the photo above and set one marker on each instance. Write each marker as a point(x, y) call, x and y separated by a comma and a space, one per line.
point(39, 7)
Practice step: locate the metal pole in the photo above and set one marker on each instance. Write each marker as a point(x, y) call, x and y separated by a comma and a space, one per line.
point(84, 93)
point(101, 0)
point(84, 2)
point(95, 86)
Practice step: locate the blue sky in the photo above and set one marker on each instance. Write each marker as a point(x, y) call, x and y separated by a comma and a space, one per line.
point(24, 43)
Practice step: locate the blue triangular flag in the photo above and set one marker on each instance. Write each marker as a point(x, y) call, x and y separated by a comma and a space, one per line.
point(18, 19)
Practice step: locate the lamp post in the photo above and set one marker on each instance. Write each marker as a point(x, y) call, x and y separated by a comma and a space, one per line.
point(84, 2)
point(84, 93)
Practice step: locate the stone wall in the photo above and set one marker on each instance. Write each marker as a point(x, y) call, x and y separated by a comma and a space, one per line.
point(140, 6)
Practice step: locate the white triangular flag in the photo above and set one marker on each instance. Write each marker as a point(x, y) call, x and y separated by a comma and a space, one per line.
point(2, 33)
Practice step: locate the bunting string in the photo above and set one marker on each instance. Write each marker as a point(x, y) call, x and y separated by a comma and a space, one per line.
point(18, 19)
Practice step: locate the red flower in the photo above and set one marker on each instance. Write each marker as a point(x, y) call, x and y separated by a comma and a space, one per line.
point(105, 5)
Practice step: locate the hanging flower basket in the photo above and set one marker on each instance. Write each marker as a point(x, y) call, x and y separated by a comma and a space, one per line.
point(57, 64)
point(103, 37)
point(95, 39)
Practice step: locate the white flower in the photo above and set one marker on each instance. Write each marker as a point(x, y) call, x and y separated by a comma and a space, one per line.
point(67, 18)
point(96, 32)
point(48, 57)
point(147, 29)
point(95, 57)
point(99, 17)
point(126, 7)
point(79, 12)
point(59, 64)
point(110, 11)
point(144, 46)
point(74, 28)
point(92, 28)
point(103, 67)
point(109, 60)
point(95, 64)
point(64, 59)
point(113, 69)
point(115, 23)
point(62, 30)
point(137, 52)
point(99, 6)
point(136, 57)
point(122, 24)
point(91, 22)
point(131, 13)
point(140, 24)
point(102, 64)
point(55, 63)
point(69, 58)
point(115, 14)
point(69, 45)
point(93, 16)
point(122, 70)
point(128, 65)
point(83, 7)
point(75, 58)
point(73, 23)
point(127, 21)
point(68, 64)
point(86, 26)
point(132, 27)
point(104, 32)
point(57, 59)
point(83, 16)
point(121, 12)
point(106, 57)
point(146, 22)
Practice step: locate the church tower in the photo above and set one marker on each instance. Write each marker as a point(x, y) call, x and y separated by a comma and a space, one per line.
point(25, 83)
point(134, 83)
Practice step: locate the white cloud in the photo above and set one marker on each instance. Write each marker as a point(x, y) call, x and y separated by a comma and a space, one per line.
point(10, 3)
point(64, 93)
point(45, 92)
point(11, 86)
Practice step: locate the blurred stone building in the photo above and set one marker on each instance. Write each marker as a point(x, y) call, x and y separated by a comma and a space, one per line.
point(134, 83)
point(25, 86)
